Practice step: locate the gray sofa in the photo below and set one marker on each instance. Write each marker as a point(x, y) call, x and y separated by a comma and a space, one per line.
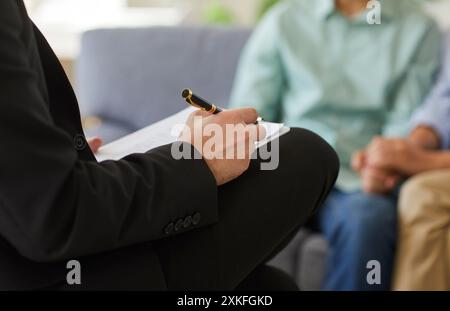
point(130, 78)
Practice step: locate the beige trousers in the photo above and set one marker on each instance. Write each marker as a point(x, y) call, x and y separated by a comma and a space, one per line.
point(423, 253)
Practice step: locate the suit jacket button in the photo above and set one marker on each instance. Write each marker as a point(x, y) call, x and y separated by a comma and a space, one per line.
point(196, 218)
point(179, 225)
point(80, 142)
point(169, 228)
point(187, 222)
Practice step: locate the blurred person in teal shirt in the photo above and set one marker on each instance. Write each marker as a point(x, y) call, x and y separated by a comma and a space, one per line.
point(324, 66)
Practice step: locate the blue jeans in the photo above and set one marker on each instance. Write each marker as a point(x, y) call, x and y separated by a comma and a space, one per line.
point(359, 228)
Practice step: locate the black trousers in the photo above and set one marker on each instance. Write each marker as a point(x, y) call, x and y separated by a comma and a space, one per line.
point(259, 214)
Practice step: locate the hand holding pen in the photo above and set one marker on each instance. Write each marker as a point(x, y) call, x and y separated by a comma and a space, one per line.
point(221, 165)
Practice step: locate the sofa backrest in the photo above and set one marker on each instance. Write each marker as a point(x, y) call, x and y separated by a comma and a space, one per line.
point(131, 78)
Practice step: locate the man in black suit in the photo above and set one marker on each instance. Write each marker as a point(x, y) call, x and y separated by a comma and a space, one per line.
point(147, 221)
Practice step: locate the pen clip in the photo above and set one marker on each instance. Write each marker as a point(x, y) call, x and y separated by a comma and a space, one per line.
point(190, 102)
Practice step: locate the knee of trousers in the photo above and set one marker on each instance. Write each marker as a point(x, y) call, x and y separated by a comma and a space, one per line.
point(421, 196)
point(303, 148)
point(307, 171)
point(311, 163)
point(369, 218)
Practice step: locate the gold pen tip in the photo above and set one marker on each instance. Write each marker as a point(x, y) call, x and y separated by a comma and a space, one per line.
point(186, 93)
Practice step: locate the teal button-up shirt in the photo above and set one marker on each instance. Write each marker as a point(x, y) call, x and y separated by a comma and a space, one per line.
point(309, 66)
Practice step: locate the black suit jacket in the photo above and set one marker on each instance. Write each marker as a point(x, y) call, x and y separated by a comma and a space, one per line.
point(57, 203)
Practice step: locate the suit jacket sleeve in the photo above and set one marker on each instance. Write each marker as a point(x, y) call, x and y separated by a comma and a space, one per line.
point(53, 205)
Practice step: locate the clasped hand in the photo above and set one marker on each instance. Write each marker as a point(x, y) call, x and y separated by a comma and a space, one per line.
point(387, 161)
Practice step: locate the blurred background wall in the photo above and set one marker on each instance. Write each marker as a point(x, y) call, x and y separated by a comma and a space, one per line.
point(63, 21)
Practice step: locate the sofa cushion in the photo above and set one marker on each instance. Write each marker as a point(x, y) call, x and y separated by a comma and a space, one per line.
point(134, 77)
point(312, 262)
point(304, 259)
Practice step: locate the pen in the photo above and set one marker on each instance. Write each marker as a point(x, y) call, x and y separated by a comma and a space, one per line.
point(203, 104)
point(199, 102)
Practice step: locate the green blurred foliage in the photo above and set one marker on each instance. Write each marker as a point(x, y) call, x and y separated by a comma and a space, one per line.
point(217, 13)
point(265, 6)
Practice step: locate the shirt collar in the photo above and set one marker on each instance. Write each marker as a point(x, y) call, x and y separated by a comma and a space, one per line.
point(326, 8)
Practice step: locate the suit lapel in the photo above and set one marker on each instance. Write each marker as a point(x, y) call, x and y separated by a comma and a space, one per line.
point(63, 104)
